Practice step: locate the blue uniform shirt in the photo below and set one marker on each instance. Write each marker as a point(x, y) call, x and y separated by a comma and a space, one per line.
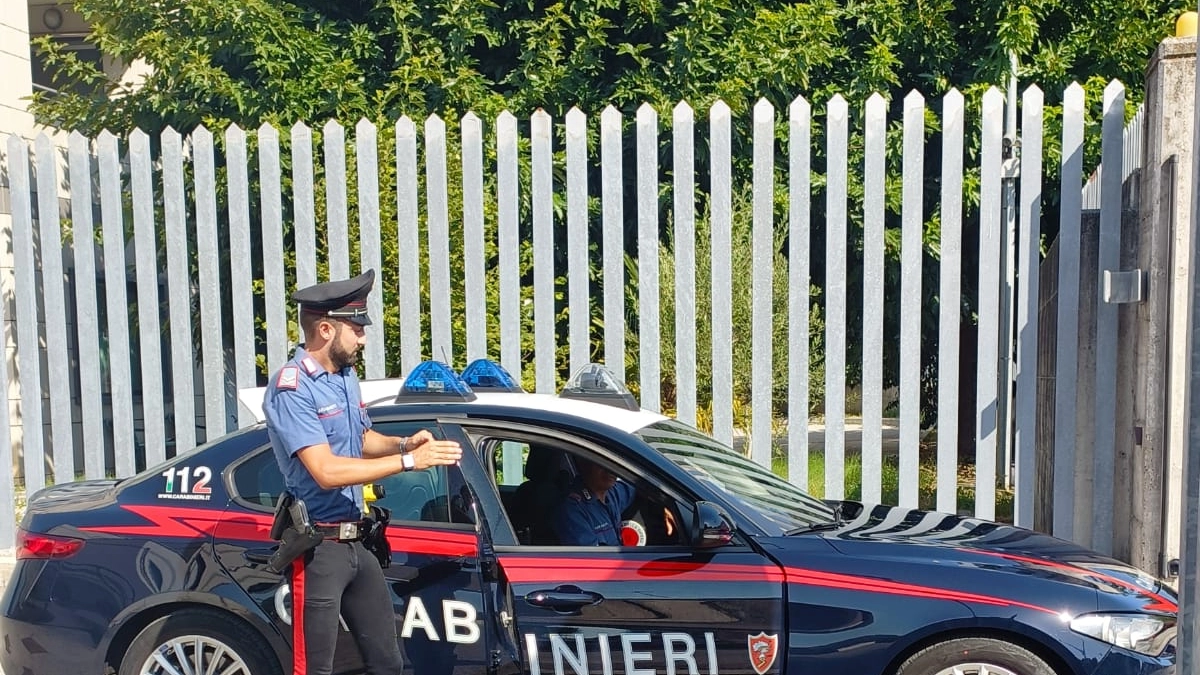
point(584, 520)
point(307, 405)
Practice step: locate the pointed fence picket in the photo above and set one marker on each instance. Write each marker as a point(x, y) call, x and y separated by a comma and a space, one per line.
point(837, 140)
point(721, 284)
point(473, 238)
point(578, 277)
point(683, 163)
point(874, 185)
point(369, 235)
point(949, 301)
point(647, 252)
point(613, 218)
point(799, 279)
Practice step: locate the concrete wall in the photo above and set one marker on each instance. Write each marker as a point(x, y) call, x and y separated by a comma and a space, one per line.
point(17, 82)
point(1160, 330)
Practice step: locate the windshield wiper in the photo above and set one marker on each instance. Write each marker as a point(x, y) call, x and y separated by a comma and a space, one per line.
point(815, 527)
point(819, 527)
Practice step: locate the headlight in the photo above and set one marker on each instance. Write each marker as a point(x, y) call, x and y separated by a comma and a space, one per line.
point(1144, 633)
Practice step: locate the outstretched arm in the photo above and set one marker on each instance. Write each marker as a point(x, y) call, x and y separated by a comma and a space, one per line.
point(426, 450)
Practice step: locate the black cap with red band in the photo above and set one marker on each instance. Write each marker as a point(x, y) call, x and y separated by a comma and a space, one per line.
point(346, 299)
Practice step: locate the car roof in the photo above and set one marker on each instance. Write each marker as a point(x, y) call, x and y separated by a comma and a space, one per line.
point(378, 393)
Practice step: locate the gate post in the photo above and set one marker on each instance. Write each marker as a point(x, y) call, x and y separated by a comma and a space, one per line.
point(1160, 348)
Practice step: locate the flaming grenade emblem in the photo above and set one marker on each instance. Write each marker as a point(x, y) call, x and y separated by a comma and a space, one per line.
point(762, 648)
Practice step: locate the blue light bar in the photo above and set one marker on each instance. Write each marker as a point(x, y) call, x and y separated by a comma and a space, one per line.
point(485, 374)
point(434, 381)
point(596, 383)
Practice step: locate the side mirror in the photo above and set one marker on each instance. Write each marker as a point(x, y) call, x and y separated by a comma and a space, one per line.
point(711, 527)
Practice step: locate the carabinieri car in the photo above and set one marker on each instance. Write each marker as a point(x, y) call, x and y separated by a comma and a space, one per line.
point(164, 572)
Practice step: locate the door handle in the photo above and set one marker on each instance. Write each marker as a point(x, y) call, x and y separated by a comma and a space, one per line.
point(563, 598)
point(261, 556)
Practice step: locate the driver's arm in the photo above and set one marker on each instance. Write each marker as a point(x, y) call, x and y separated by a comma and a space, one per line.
point(623, 493)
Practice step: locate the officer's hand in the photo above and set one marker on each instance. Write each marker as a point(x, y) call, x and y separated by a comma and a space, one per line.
point(428, 451)
point(417, 440)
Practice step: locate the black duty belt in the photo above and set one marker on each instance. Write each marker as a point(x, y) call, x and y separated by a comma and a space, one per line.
point(348, 531)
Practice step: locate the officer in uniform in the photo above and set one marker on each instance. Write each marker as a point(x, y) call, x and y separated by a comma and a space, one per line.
point(591, 511)
point(326, 450)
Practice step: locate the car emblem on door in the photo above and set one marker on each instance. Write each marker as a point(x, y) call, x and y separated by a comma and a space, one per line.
point(762, 648)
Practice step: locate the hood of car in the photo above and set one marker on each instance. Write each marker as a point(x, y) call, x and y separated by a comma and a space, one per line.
point(895, 535)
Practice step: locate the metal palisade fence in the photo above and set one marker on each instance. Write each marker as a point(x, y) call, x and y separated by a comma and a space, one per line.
point(106, 346)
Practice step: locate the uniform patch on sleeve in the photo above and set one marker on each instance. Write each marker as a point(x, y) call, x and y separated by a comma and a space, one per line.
point(288, 378)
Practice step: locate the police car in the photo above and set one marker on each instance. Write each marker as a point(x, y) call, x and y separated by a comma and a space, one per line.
point(165, 572)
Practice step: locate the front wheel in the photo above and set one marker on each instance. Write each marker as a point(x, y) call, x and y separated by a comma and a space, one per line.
point(198, 641)
point(975, 656)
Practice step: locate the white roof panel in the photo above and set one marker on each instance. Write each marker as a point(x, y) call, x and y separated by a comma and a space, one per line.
point(383, 392)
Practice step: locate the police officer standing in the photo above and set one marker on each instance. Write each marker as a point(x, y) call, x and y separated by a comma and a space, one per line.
point(326, 450)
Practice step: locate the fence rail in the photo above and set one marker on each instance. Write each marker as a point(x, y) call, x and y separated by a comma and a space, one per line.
point(134, 338)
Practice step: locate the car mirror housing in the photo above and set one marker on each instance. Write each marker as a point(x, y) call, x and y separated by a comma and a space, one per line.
point(712, 527)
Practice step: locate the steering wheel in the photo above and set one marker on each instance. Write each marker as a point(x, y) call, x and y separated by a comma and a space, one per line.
point(645, 522)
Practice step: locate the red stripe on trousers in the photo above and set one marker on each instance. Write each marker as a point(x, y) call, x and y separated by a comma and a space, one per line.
point(299, 659)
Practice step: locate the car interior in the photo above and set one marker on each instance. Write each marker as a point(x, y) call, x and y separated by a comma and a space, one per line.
point(547, 470)
point(548, 473)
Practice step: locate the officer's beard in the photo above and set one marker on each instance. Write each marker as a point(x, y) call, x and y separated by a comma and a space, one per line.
point(341, 357)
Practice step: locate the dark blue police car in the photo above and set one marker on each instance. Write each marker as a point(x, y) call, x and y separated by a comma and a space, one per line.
point(164, 572)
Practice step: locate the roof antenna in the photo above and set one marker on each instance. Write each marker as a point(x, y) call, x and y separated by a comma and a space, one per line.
point(445, 357)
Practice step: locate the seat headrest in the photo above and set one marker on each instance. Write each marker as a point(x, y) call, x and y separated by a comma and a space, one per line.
point(542, 462)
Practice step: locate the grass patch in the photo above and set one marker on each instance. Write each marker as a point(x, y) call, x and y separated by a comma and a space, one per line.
point(890, 483)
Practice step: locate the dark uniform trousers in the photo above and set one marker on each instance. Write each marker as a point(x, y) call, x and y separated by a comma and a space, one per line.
point(342, 578)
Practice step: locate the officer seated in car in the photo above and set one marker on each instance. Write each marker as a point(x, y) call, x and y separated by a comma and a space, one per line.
point(590, 513)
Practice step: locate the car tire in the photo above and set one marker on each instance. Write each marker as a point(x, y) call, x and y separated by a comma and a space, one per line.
point(215, 635)
point(975, 656)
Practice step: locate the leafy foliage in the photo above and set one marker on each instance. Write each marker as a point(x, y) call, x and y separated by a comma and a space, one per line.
point(218, 61)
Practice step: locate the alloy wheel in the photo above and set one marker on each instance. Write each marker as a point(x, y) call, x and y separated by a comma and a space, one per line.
point(195, 654)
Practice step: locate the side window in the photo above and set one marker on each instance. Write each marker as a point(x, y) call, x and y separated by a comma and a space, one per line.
point(434, 495)
point(541, 480)
point(257, 480)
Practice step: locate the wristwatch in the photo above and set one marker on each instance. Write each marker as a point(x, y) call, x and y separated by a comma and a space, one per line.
point(407, 460)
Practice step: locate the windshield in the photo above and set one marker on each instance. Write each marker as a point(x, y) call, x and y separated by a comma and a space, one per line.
point(746, 483)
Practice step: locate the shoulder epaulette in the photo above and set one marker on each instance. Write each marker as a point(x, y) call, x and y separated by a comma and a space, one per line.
point(289, 378)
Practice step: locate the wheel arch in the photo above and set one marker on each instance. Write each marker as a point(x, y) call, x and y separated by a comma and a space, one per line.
point(135, 623)
point(1039, 648)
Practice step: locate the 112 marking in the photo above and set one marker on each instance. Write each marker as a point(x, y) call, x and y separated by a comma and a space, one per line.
point(203, 474)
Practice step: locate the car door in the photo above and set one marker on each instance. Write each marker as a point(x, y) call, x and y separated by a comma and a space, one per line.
point(669, 608)
point(434, 577)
